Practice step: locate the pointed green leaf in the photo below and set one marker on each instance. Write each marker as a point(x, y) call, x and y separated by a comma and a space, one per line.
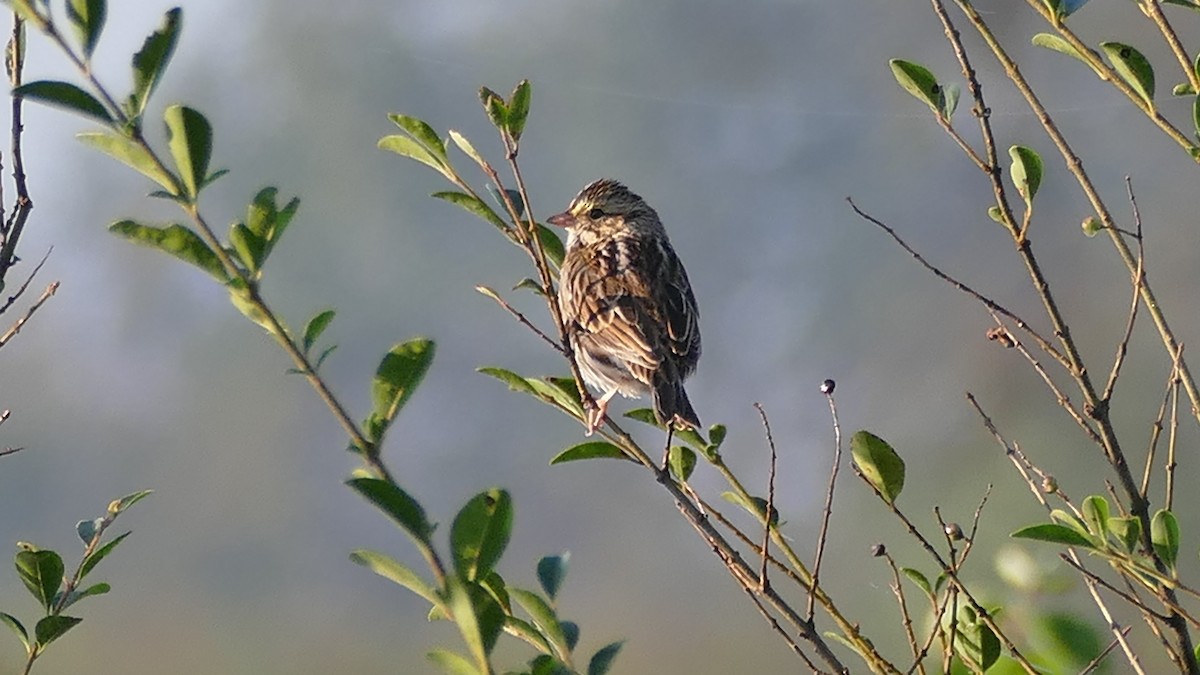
point(388, 568)
point(467, 148)
point(518, 109)
point(248, 247)
point(544, 618)
point(132, 155)
point(603, 659)
point(16, 626)
point(87, 18)
point(1183, 89)
point(494, 584)
point(473, 205)
point(480, 533)
point(422, 133)
point(398, 375)
point(1070, 520)
point(324, 355)
point(42, 574)
point(755, 506)
point(1164, 535)
point(189, 136)
point(95, 589)
point(919, 579)
point(396, 504)
point(407, 147)
point(879, 464)
point(151, 61)
point(1134, 68)
point(551, 570)
point(682, 462)
point(1054, 533)
point(451, 663)
point(479, 618)
point(918, 81)
point(716, 435)
point(551, 245)
point(52, 627)
point(316, 326)
point(176, 240)
point(1056, 43)
point(514, 381)
point(494, 106)
point(64, 95)
point(1196, 116)
point(121, 505)
point(1026, 171)
point(101, 553)
point(589, 450)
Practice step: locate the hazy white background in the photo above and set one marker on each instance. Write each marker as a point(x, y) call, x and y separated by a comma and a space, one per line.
point(745, 124)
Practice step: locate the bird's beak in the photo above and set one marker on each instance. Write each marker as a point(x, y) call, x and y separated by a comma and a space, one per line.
point(564, 219)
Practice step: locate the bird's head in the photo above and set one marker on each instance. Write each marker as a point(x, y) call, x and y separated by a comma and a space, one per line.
point(604, 209)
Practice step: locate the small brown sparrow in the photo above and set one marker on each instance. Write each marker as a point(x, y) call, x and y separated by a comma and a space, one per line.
point(627, 304)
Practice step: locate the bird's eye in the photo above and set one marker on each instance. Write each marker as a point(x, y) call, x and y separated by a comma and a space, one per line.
point(596, 214)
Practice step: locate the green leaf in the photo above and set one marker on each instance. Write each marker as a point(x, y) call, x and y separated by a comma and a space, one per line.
point(1056, 43)
point(755, 506)
point(1071, 521)
point(682, 462)
point(189, 136)
point(451, 663)
point(1183, 89)
point(95, 589)
point(589, 450)
point(603, 659)
point(879, 464)
point(52, 627)
point(1026, 171)
point(422, 133)
point(1095, 514)
point(494, 106)
point(950, 95)
point(316, 326)
point(64, 95)
point(918, 81)
point(1196, 116)
point(17, 628)
point(716, 435)
point(1127, 531)
point(324, 354)
point(976, 644)
point(514, 381)
point(551, 570)
point(518, 109)
point(1054, 533)
point(1164, 535)
point(551, 245)
point(248, 247)
point(397, 504)
point(397, 376)
point(151, 61)
point(90, 562)
point(480, 533)
point(479, 617)
point(1134, 68)
point(513, 196)
point(87, 529)
point(919, 579)
point(132, 155)
point(42, 574)
point(264, 226)
point(26, 10)
point(544, 618)
point(1065, 641)
point(407, 147)
point(175, 240)
point(87, 18)
point(388, 568)
point(467, 148)
point(473, 205)
point(122, 505)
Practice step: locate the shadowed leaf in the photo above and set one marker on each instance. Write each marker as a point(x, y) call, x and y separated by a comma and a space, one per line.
point(176, 240)
point(64, 95)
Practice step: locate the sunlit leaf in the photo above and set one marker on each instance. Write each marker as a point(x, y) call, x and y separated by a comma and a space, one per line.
point(388, 568)
point(151, 61)
point(131, 154)
point(518, 109)
point(42, 574)
point(398, 374)
point(589, 450)
point(1164, 534)
point(17, 627)
point(1133, 67)
point(315, 327)
point(879, 464)
point(1026, 171)
point(87, 19)
point(451, 663)
point(544, 618)
point(475, 206)
point(176, 240)
point(422, 133)
point(189, 137)
point(480, 533)
point(1054, 533)
point(920, 82)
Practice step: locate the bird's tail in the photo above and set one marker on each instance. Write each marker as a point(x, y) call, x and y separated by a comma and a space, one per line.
point(671, 404)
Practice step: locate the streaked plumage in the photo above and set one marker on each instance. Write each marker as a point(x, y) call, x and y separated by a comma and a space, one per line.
point(627, 303)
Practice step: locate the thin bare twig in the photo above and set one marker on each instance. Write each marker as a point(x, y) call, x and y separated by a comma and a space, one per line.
point(37, 304)
point(827, 388)
point(25, 285)
point(484, 290)
point(1138, 277)
point(15, 224)
point(1095, 663)
point(766, 538)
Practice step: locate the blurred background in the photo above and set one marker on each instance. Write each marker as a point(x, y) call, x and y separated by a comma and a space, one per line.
point(746, 126)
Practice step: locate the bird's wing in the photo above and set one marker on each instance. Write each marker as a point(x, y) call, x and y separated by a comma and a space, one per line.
point(678, 305)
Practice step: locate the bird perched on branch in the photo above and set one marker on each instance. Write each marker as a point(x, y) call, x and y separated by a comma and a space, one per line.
point(627, 304)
